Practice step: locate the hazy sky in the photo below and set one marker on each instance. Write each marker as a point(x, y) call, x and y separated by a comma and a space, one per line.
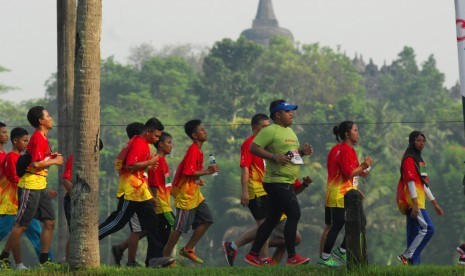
point(374, 28)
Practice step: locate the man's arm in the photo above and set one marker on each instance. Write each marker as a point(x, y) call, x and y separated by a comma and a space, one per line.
point(153, 190)
point(143, 164)
point(245, 186)
point(306, 150)
point(306, 181)
point(211, 169)
point(68, 184)
point(57, 160)
point(263, 153)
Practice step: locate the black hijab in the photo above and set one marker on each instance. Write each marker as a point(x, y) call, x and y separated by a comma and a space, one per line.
point(413, 152)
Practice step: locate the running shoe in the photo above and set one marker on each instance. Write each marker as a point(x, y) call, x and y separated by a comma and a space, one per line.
point(133, 264)
point(229, 252)
point(297, 260)
point(339, 255)
point(190, 254)
point(21, 266)
point(161, 262)
point(117, 254)
point(461, 249)
point(254, 260)
point(404, 260)
point(268, 261)
point(328, 262)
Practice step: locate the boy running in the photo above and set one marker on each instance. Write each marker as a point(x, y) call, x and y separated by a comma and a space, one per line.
point(160, 186)
point(34, 199)
point(134, 195)
point(9, 196)
point(132, 242)
point(191, 209)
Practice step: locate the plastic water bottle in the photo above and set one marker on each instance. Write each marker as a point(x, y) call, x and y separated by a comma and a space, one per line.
point(212, 160)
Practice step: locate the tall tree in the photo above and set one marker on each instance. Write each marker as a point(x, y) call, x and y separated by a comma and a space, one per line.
point(84, 250)
point(66, 34)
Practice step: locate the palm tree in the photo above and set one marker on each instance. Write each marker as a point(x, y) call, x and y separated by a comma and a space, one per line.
point(66, 33)
point(84, 250)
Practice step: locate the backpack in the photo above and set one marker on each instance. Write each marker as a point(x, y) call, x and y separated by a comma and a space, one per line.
point(402, 203)
point(23, 162)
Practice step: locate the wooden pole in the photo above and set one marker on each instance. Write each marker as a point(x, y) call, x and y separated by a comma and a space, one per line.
point(355, 230)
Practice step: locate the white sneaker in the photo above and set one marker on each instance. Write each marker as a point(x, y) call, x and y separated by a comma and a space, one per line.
point(21, 266)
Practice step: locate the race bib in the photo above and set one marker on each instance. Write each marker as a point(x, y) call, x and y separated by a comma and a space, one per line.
point(167, 181)
point(296, 159)
point(423, 169)
point(355, 181)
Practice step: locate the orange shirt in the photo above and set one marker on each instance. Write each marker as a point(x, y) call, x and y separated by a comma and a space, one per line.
point(256, 166)
point(39, 149)
point(342, 160)
point(186, 192)
point(410, 173)
point(160, 178)
point(133, 184)
point(9, 185)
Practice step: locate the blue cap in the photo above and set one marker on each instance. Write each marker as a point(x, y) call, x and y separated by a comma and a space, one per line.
point(283, 106)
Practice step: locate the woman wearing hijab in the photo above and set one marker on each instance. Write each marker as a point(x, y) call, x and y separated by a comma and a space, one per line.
point(414, 178)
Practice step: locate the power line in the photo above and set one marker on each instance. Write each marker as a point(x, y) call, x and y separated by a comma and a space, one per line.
point(294, 124)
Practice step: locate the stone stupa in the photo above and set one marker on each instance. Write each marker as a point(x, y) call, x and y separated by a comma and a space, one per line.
point(266, 26)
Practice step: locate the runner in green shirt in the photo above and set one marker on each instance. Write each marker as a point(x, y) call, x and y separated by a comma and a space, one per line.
point(279, 145)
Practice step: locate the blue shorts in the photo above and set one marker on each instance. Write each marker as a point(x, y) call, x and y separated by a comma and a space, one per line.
point(33, 231)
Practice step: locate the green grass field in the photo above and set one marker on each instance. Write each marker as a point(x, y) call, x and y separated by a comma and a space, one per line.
point(252, 271)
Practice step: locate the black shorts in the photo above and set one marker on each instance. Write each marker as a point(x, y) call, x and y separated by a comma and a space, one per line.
point(327, 215)
point(259, 207)
point(34, 204)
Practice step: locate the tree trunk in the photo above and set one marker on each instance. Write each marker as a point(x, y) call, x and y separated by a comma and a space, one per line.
point(355, 230)
point(66, 34)
point(84, 245)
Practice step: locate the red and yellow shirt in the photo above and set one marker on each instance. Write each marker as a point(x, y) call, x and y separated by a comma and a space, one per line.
point(9, 185)
point(331, 165)
point(342, 160)
point(256, 166)
point(186, 192)
point(160, 178)
point(2, 157)
point(39, 149)
point(121, 157)
point(410, 173)
point(133, 184)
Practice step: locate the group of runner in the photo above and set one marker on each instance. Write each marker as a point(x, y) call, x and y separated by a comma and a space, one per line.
point(270, 165)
